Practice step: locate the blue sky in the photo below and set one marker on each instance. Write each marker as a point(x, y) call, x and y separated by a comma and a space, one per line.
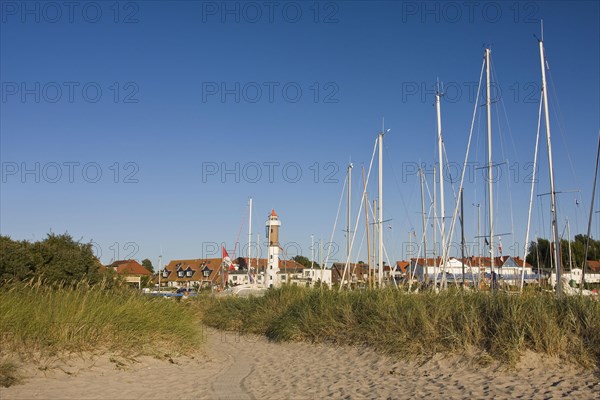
point(129, 116)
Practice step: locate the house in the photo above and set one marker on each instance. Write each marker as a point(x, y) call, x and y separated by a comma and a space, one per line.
point(593, 266)
point(198, 272)
point(289, 272)
point(312, 276)
point(358, 273)
point(131, 270)
point(592, 274)
point(508, 268)
point(402, 266)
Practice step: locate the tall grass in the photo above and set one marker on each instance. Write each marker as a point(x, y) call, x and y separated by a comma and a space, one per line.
point(391, 321)
point(38, 318)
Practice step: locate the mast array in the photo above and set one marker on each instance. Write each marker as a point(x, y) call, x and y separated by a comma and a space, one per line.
point(378, 247)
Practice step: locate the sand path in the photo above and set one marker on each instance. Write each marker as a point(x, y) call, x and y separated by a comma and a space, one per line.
point(250, 367)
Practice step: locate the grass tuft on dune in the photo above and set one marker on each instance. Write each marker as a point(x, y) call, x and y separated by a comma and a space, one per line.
point(392, 321)
point(47, 320)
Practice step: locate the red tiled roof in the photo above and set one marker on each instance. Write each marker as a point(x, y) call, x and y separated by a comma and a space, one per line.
point(593, 265)
point(129, 267)
point(283, 264)
point(402, 265)
point(197, 266)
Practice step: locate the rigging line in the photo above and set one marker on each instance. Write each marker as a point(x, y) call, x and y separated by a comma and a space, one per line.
point(237, 239)
point(358, 253)
point(506, 120)
point(436, 224)
point(464, 169)
point(389, 263)
point(541, 216)
point(503, 151)
point(336, 220)
point(436, 220)
point(478, 130)
point(456, 199)
point(398, 187)
point(359, 212)
point(535, 154)
point(424, 258)
point(561, 126)
point(475, 197)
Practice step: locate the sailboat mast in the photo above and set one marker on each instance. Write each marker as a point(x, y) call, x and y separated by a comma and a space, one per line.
point(159, 270)
point(426, 275)
point(489, 139)
point(367, 228)
point(557, 260)
point(440, 157)
point(321, 257)
point(569, 240)
point(312, 251)
point(374, 247)
point(349, 204)
point(250, 236)
point(435, 263)
point(587, 240)
point(462, 235)
point(380, 203)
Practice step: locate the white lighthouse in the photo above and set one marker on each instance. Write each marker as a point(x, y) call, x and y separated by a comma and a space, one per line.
point(273, 224)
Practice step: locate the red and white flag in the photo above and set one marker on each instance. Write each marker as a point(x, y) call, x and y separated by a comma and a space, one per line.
point(500, 247)
point(226, 260)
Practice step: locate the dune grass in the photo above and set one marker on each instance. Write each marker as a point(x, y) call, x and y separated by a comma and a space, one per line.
point(45, 320)
point(500, 326)
point(9, 374)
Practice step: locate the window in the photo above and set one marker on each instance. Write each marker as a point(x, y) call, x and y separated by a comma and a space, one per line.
point(165, 274)
point(283, 277)
point(189, 273)
point(234, 278)
point(207, 272)
point(180, 273)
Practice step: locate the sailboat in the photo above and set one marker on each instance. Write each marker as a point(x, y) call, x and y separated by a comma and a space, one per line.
point(251, 288)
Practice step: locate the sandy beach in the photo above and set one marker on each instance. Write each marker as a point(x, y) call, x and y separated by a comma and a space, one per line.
point(250, 367)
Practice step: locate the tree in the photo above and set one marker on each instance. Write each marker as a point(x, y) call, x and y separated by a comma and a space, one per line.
point(542, 249)
point(56, 259)
point(146, 263)
point(539, 254)
point(16, 261)
point(304, 261)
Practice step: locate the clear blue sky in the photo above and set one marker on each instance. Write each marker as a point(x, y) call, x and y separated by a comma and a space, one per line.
point(155, 95)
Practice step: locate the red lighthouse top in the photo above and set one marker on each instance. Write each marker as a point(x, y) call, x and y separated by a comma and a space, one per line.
point(273, 213)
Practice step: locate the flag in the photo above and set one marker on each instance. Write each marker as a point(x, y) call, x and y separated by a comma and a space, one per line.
point(500, 247)
point(486, 242)
point(227, 261)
